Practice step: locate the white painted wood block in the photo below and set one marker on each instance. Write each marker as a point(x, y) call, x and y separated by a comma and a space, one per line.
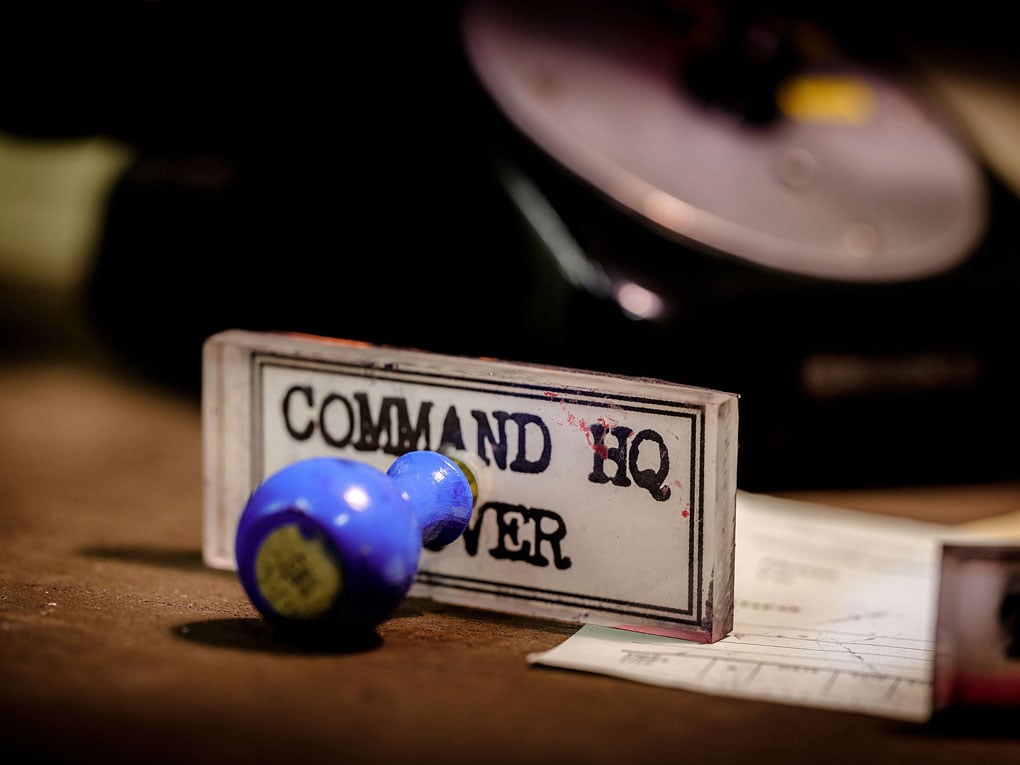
point(601, 499)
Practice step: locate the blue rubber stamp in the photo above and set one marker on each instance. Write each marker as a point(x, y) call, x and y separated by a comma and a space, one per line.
point(332, 541)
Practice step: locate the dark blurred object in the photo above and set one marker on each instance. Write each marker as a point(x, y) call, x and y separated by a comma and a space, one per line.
point(856, 363)
point(742, 63)
point(303, 171)
point(976, 681)
point(345, 173)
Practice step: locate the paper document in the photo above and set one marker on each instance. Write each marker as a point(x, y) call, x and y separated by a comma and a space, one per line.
point(833, 608)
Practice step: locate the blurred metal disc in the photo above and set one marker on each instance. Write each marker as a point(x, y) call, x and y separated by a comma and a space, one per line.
point(858, 179)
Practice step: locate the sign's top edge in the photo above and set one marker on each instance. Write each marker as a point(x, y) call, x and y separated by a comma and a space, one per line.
point(340, 349)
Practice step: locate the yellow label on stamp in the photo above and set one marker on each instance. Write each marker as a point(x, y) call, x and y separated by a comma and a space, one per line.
point(296, 574)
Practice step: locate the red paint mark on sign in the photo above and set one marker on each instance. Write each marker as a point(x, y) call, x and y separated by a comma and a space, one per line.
point(575, 422)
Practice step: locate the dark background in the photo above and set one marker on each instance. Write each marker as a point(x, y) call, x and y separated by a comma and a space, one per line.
point(330, 171)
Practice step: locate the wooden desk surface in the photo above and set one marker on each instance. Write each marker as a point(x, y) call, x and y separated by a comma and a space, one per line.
point(118, 645)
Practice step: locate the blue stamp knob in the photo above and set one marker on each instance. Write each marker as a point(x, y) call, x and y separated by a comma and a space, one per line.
point(329, 540)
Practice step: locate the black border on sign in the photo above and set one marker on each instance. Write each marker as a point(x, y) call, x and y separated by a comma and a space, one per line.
point(260, 360)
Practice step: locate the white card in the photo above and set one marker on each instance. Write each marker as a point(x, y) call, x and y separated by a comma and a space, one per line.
point(602, 499)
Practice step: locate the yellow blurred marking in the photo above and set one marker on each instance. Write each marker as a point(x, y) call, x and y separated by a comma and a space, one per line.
point(826, 98)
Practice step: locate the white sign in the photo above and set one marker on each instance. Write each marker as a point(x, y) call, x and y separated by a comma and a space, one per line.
point(602, 499)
